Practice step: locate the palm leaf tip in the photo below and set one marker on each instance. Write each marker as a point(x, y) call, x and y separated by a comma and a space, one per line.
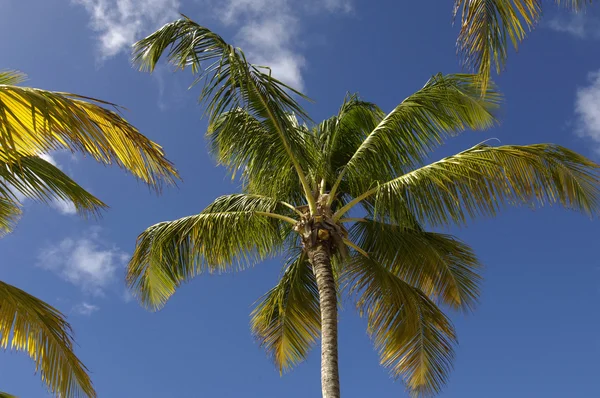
point(12, 77)
point(10, 213)
point(36, 178)
point(28, 324)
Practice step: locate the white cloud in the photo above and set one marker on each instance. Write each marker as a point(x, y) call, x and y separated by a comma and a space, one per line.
point(86, 262)
point(587, 109)
point(120, 23)
point(85, 308)
point(579, 25)
point(64, 207)
point(268, 30)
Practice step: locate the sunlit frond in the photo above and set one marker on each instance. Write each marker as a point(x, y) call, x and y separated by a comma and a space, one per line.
point(287, 320)
point(38, 179)
point(9, 215)
point(30, 325)
point(235, 231)
point(480, 180)
point(444, 106)
point(6, 395)
point(34, 121)
point(229, 82)
point(440, 265)
point(412, 335)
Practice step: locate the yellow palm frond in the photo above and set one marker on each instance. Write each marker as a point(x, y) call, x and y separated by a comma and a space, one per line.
point(34, 121)
point(30, 325)
point(9, 215)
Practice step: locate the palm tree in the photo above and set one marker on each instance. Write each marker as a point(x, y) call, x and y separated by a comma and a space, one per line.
point(488, 27)
point(347, 201)
point(33, 122)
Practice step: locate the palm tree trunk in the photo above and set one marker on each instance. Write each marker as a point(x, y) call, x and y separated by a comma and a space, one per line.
point(320, 258)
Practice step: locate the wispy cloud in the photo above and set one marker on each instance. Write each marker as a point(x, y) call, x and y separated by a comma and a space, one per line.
point(120, 22)
point(85, 308)
point(587, 109)
point(579, 25)
point(86, 262)
point(268, 30)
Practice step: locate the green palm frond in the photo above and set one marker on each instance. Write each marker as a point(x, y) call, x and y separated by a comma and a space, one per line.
point(38, 179)
point(480, 180)
point(34, 121)
point(7, 395)
point(412, 335)
point(488, 27)
point(287, 320)
point(9, 215)
point(230, 82)
point(29, 324)
point(444, 106)
point(243, 143)
point(235, 231)
point(343, 133)
point(440, 265)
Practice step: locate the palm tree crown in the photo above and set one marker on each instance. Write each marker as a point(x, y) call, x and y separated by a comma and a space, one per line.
point(347, 202)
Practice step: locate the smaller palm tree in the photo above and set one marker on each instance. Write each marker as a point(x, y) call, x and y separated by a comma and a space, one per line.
point(33, 122)
point(301, 185)
point(489, 27)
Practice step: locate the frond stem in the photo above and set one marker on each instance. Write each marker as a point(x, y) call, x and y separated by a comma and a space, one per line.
point(277, 216)
point(355, 247)
point(352, 219)
point(286, 204)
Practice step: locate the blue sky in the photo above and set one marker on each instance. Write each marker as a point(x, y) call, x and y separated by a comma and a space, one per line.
point(535, 332)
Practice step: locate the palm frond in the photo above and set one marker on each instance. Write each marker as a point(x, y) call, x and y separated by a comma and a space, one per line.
point(444, 106)
point(412, 335)
point(38, 179)
point(478, 181)
point(230, 82)
point(234, 232)
point(340, 135)
point(7, 395)
point(29, 324)
point(440, 265)
point(486, 28)
point(9, 215)
point(243, 143)
point(287, 320)
point(34, 121)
